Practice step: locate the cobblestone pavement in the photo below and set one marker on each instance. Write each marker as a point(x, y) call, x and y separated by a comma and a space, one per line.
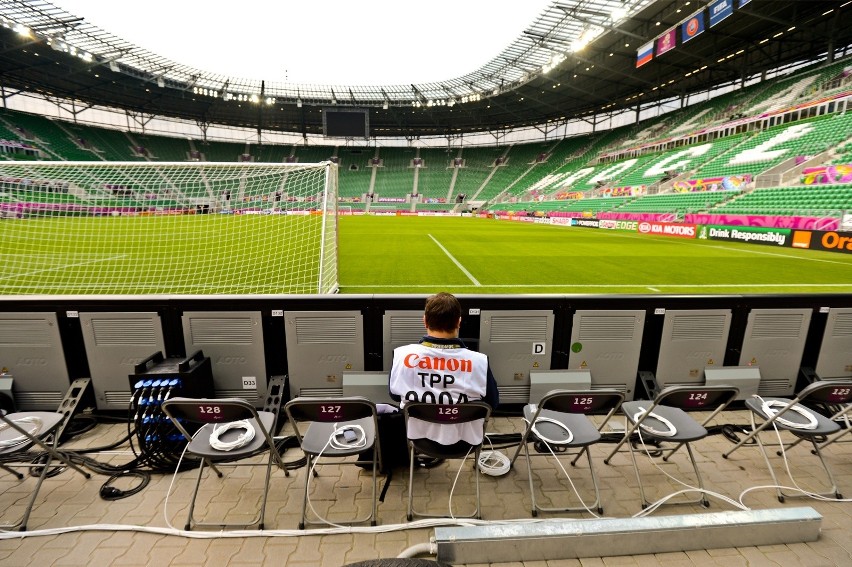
point(115, 532)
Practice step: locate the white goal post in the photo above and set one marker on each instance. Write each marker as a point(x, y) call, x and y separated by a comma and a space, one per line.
point(196, 228)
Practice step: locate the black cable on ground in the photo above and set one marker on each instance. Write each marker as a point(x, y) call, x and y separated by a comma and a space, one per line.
point(110, 492)
point(78, 425)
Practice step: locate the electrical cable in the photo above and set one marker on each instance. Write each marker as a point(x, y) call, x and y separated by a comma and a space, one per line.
point(102, 448)
point(670, 430)
point(455, 481)
point(29, 420)
point(359, 442)
point(242, 439)
point(768, 407)
point(78, 425)
point(348, 437)
point(493, 462)
point(688, 487)
point(548, 444)
point(110, 492)
point(559, 424)
point(290, 442)
point(172, 483)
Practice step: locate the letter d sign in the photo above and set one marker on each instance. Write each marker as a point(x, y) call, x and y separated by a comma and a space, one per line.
point(538, 348)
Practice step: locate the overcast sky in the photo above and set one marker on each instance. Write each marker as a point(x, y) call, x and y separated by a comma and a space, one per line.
point(319, 41)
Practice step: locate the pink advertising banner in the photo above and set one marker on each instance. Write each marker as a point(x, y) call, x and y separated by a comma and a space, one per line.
point(731, 183)
point(647, 217)
point(824, 175)
point(810, 223)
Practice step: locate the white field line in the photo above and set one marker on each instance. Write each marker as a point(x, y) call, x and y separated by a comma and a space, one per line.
point(64, 266)
point(53, 254)
point(456, 262)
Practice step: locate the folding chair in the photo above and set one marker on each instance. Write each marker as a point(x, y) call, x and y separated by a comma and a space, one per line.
point(231, 430)
point(337, 428)
point(842, 415)
point(444, 415)
point(791, 415)
point(560, 422)
point(21, 431)
point(666, 419)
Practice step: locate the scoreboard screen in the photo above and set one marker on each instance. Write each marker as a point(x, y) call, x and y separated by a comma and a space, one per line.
point(349, 123)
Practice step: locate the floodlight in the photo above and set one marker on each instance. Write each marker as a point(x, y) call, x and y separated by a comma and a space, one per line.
point(617, 13)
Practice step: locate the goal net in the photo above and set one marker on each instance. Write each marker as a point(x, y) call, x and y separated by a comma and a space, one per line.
point(167, 228)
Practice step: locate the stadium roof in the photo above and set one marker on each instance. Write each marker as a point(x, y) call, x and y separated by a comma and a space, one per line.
point(577, 60)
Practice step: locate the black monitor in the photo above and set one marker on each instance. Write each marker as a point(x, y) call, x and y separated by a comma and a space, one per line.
point(348, 123)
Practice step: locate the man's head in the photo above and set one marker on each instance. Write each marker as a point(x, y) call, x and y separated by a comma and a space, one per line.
point(442, 314)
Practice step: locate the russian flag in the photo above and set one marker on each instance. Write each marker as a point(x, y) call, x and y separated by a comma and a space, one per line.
point(644, 54)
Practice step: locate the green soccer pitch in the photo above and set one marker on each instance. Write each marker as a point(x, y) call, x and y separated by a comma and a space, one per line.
point(398, 255)
point(485, 256)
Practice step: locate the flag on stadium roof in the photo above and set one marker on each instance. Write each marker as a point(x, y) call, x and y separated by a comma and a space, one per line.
point(719, 10)
point(644, 54)
point(666, 42)
point(692, 27)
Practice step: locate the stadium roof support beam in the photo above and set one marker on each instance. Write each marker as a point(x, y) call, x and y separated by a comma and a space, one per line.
point(139, 118)
point(516, 63)
point(64, 24)
point(70, 107)
point(4, 90)
point(203, 125)
point(572, 12)
point(419, 95)
point(260, 113)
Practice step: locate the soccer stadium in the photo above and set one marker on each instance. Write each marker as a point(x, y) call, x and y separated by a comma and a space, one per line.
point(644, 208)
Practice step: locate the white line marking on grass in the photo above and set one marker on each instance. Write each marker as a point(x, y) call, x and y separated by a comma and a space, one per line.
point(653, 289)
point(456, 262)
point(64, 266)
point(52, 255)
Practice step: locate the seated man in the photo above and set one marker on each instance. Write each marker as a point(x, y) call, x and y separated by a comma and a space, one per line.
point(441, 369)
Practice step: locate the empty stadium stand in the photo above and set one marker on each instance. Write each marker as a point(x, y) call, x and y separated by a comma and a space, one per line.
point(745, 133)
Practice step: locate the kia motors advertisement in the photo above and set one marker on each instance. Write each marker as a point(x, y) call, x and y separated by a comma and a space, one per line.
point(668, 229)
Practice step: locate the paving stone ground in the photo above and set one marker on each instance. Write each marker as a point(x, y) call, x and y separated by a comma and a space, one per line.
point(135, 531)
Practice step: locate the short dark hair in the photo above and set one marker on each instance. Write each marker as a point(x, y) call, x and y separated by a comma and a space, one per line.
point(442, 312)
